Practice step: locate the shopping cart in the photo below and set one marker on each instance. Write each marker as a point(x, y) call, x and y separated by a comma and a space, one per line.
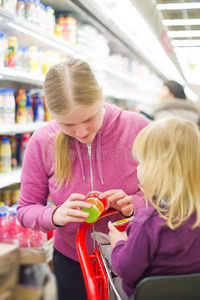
point(95, 272)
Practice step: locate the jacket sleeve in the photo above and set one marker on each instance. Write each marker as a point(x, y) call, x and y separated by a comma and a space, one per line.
point(138, 201)
point(131, 258)
point(33, 211)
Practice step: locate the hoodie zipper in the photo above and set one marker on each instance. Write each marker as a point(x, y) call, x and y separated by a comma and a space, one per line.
point(90, 158)
point(91, 177)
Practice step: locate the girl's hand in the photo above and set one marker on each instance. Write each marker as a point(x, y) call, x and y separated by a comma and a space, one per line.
point(70, 210)
point(120, 201)
point(116, 235)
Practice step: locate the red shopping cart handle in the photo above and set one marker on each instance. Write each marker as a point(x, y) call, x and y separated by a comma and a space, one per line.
point(84, 258)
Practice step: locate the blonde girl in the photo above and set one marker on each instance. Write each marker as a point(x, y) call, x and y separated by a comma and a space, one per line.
point(164, 237)
point(86, 147)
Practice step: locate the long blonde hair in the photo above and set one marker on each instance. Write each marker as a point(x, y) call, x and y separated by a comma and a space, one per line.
point(68, 84)
point(169, 153)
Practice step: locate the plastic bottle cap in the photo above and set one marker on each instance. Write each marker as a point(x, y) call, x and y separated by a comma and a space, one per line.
point(5, 139)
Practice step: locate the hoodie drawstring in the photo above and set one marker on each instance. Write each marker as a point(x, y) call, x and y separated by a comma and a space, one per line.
point(78, 149)
point(99, 164)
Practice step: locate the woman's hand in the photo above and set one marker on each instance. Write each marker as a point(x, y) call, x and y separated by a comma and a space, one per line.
point(70, 210)
point(120, 201)
point(116, 235)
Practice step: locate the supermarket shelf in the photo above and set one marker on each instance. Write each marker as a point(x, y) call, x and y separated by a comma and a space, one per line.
point(19, 76)
point(11, 129)
point(36, 81)
point(46, 40)
point(52, 41)
point(10, 177)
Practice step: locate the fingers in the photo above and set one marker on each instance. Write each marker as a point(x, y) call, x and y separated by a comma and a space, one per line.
point(78, 204)
point(127, 210)
point(107, 194)
point(117, 196)
point(71, 210)
point(76, 196)
point(113, 195)
point(125, 201)
point(111, 226)
point(76, 213)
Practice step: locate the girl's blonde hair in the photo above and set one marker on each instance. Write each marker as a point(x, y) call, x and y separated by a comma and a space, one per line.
point(66, 85)
point(169, 153)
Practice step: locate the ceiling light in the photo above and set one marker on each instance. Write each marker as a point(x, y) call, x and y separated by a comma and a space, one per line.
point(185, 43)
point(181, 22)
point(177, 6)
point(39, 37)
point(127, 18)
point(184, 33)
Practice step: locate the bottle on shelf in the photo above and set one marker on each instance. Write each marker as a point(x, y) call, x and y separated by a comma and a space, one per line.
point(26, 59)
point(5, 155)
point(29, 107)
point(24, 142)
point(38, 108)
point(2, 50)
point(30, 11)
point(37, 12)
point(13, 143)
point(19, 59)
point(1, 105)
point(6, 196)
point(9, 106)
point(21, 114)
point(15, 195)
point(34, 59)
point(20, 9)
point(12, 49)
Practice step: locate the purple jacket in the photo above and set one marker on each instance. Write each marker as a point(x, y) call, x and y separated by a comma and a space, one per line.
point(154, 249)
point(112, 167)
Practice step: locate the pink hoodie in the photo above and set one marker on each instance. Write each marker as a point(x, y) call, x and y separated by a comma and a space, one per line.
point(110, 166)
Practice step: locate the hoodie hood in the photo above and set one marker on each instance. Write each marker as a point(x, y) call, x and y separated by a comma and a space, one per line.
point(112, 113)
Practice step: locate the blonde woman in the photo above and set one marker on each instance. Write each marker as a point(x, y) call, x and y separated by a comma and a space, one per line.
point(164, 237)
point(86, 147)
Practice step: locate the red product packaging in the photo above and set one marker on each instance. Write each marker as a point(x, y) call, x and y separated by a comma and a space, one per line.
point(122, 224)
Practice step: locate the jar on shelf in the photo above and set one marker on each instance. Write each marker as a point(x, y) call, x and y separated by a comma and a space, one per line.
point(5, 155)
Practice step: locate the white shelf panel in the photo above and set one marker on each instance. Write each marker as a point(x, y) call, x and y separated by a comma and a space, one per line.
point(19, 76)
point(10, 177)
point(11, 129)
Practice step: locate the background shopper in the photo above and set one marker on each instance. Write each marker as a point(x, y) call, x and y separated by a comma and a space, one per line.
point(173, 103)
